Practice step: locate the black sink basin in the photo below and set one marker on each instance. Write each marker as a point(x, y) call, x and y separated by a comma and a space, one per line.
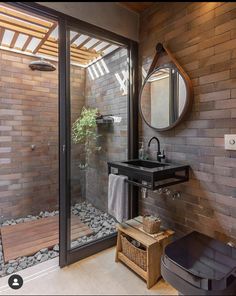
point(146, 163)
point(149, 173)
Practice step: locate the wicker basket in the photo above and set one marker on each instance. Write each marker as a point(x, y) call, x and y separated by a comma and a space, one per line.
point(136, 255)
point(151, 225)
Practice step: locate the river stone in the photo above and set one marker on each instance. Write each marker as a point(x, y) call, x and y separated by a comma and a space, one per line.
point(53, 254)
point(23, 265)
point(44, 258)
point(30, 259)
point(22, 259)
point(39, 257)
point(10, 270)
point(37, 254)
point(44, 251)
point(56, 248)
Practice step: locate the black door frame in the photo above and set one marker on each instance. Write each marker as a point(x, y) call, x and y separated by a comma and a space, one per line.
point(67, 255)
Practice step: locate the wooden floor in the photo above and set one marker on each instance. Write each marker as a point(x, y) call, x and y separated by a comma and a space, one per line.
point(27, 238)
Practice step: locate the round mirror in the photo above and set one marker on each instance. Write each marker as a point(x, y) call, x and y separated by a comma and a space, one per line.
point(164, 98)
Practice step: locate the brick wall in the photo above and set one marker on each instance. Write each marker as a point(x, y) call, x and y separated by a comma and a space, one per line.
point(202, 36)
point(78, 186)
point(105, 93)
point(29, 116)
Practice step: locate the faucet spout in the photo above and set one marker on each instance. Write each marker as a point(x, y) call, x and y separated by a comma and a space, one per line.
point(158, 144)
point(159, 155)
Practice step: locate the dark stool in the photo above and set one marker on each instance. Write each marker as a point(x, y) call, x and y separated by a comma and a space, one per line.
point(199, 265)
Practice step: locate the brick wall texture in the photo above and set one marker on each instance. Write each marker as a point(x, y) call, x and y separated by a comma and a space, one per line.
point(202, 36)
point(29, 116)
point(106, 94)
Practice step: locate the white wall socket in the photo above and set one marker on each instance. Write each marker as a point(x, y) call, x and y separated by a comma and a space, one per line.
point(230, 142)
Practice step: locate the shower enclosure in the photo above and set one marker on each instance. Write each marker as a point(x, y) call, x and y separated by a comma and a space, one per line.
point(98, 104)
point(94, 103)
point(96, 127)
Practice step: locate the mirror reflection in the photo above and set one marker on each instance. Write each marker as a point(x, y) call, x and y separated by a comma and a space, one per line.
point(163, 98)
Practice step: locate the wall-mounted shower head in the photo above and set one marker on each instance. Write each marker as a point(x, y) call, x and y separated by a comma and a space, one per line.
point(42, 65)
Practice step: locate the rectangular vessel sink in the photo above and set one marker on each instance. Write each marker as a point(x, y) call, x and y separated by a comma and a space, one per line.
point(146, 163)
point(149, 173)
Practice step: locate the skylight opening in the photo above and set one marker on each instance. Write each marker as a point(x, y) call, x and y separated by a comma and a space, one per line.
point(28, 34)
point(72, 34)
point(91, 43)
point(7, 37)
point(101, 46)
point(25, 15)
point(54, 33)
point(81, 39)
point(20, 22)
point(21, 41)
point(33, 44)
point(110, 49)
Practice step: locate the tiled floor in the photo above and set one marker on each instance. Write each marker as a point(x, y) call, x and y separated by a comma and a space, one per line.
point(96, 275)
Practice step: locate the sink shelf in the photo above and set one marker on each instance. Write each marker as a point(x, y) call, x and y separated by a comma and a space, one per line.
point(151, 177)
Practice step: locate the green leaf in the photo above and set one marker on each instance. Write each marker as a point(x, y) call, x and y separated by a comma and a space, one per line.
point(84, 131)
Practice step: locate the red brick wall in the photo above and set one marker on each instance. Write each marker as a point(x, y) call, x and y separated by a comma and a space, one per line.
point(202, 36)
point(29, 115)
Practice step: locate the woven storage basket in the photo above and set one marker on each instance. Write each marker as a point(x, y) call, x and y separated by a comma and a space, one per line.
point(136, 255)
point(151, 226)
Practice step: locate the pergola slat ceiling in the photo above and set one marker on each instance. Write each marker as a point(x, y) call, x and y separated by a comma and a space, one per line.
point(15, 24)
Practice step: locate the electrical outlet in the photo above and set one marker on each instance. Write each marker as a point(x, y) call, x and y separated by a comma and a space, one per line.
point(230, 142)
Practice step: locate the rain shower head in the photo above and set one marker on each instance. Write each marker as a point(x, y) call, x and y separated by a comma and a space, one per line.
point(42, 65)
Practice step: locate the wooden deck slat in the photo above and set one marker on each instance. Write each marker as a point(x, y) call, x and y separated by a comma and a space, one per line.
point(27, 238)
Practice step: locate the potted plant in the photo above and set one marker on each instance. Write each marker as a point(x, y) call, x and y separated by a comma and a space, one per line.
point(84, 132)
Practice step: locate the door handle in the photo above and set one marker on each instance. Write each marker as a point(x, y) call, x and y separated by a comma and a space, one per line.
point(63, 148)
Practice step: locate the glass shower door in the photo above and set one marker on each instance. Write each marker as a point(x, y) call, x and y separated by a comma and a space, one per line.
point(96, 120)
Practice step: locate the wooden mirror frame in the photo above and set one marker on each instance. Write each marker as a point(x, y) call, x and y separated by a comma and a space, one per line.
point(162, 49)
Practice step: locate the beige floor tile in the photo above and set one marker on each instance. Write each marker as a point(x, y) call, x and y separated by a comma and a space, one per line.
point(96, 275)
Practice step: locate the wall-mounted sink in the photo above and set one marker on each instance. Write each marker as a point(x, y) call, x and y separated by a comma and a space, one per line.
point(146, 163)
point(150, 174)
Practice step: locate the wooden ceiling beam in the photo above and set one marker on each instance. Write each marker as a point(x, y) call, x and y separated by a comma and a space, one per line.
point(45, 38)
point(21, 30)
point(105, 47)
point(44, 46)
point(27, 42)
point(25, 25)
point(13, 13)
point(87, 58)
point(48, 52)
point(80, 61)
point(1, 34)
point(75, 38)
point(73, 49)
point(83, 43)
point(13, 41)
point(54, 49)
point(96, 44)
point(51, 53)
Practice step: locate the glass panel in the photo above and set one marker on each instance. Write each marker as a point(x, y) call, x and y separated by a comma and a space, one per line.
point(98, 132)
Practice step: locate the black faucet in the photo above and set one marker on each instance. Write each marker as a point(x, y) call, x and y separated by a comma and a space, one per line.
point(160, 155)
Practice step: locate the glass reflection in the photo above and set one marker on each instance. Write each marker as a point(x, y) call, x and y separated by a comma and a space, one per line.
point(163, 97)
